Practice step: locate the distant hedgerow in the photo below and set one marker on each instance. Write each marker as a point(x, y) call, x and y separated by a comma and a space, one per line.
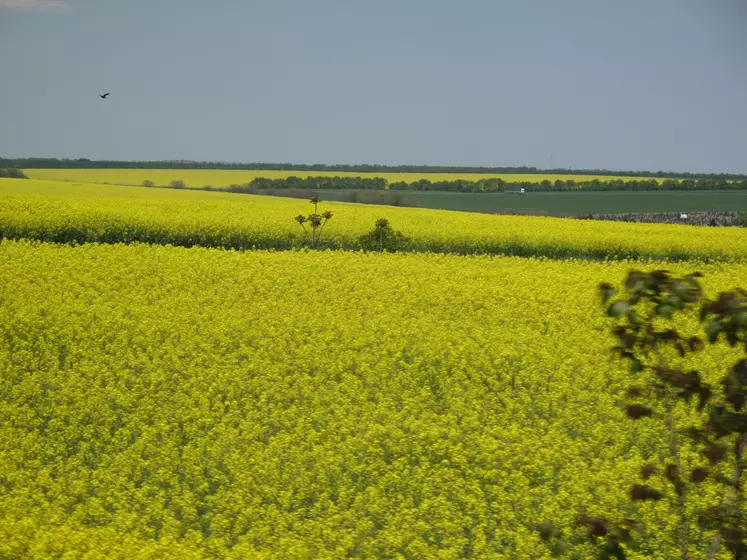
point(12, 173)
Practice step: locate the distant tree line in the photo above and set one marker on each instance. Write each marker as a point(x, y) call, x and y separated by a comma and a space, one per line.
point(12, 173)
point(379, 196)
point(84, 163)
point(328, 183)
point(483, 185)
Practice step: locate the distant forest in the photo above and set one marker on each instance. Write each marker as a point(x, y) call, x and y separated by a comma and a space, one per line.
point(492, 184)
point(83, 163)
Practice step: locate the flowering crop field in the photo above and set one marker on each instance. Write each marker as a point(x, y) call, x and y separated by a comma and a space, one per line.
point(224, 177)
point(163, 402)
point(60, 212)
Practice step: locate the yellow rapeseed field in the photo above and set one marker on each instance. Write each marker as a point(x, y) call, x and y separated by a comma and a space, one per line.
point(55, 211)
point(162, 402)
point(223, 177)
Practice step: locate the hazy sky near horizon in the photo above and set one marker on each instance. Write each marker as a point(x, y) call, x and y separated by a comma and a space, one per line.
point(633, 85)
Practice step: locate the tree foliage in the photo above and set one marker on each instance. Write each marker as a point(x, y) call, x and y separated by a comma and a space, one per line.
point(383, 238)
point(488, 185)
point(12, 173)
point(654, 350)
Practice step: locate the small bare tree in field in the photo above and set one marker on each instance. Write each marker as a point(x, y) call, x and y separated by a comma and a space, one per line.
point(315, 221)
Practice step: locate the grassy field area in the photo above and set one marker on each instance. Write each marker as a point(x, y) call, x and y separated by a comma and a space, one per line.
point(66, 212)
point(219, 178)
point(577, 202)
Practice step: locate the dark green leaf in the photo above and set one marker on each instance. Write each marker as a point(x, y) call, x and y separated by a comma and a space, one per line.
point(704, 394)
point(664, 310)
point(732, 338)
point(647, 470)
point(546, 531)
point(695, 344)
point(722, 479)
point(614, 550)
point(558, 548)
point(672, 474)
point(636, 411)
point(698, 475)
point(634, 392)
point(596, 526)
point(641, 492)
point(618, 309)
point(633, 317)
point(635, 280)
point(607, 292)
point(714, 452)
point(712, 330)
point(704, 312)
point(635, 365)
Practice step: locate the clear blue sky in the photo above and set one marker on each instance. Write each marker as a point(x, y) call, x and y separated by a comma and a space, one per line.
point(618, 84)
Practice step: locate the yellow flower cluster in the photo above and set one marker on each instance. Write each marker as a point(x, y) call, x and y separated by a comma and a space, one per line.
point(162, 402)
point(59, 212)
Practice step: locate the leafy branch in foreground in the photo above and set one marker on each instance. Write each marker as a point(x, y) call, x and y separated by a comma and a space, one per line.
point(658, 385)
point(316, 222)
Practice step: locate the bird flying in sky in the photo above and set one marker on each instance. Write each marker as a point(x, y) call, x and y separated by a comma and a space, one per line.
point(103, 96)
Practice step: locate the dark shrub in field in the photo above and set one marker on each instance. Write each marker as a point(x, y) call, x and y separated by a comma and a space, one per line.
point(382, 238)
point(12, 173)
point(243, 189)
